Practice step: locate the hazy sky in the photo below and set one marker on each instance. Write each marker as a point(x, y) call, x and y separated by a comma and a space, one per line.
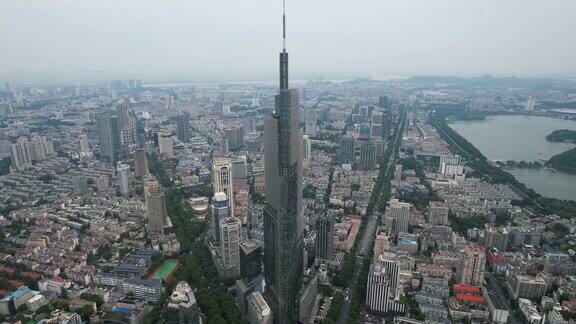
point(240, 39)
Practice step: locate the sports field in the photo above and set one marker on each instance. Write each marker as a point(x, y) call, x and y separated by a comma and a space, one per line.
point(165, 269)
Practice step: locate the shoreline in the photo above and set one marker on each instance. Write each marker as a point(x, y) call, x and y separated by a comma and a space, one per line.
point(565, 208)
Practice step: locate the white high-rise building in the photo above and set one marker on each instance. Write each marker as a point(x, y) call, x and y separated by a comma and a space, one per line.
point(230, 243)
point(165, 144)
point(123, 179)
point(222, 176)
point(382, 287)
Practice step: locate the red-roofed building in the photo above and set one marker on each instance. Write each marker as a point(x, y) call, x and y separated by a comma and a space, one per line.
point(494, 257)
point(7, 270)
point(571, 305)
point(466, 289)
point(470, 298)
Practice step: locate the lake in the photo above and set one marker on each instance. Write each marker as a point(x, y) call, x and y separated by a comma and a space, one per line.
point(523, 138)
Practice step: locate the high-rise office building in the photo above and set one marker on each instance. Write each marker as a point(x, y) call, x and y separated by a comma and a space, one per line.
point(155, 205)
point(376, 124)
point(240, 167)
point(324, 237)
point(222, 177)
point(108, 137)
point(125, 124)
point(230, 244)
point(283, 215)
point(20, 155)
point(250, 260)
point(473, 264)
point(124, 185)
point(165, 144)
point(382, 287)
point(396, 216)
point(307, 148)
point(183, 127)
point(368, 155)
point(346, 153)
point(235, 136)
point(310, 122)
point(140, 163)
point(219, 209)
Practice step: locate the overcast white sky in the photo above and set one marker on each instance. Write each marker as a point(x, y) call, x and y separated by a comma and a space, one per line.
point(240, 39)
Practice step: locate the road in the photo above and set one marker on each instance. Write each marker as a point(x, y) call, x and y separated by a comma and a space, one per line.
point(368, 236)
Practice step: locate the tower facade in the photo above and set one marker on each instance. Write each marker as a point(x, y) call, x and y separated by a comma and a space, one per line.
point(324, 237)
point(219, 209)
point(140, 163)
point(222, 175)
point(165, 144)
point(155, 205)
point(473, 265)
point(230, 244)
point(108, 137)
point(283, 219)
point(125, 124)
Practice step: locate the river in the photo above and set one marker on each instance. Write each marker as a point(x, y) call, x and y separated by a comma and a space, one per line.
point(523, 138)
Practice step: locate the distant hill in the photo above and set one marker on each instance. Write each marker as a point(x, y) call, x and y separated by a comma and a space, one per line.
point(491, 81)
point(565, 161)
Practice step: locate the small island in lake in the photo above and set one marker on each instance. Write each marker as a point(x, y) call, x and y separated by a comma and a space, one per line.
point(565, 161)
point(562, 136)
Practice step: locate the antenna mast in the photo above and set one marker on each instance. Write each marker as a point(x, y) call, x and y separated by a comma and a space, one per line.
point(284, 25)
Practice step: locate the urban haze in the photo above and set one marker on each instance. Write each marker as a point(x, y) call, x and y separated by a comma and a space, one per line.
point(264, 162)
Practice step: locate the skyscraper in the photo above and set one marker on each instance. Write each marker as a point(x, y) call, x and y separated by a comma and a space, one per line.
point(165, 144)
point(346, 154)
point(222, 176)
point(283, 219)
point(324, 237)
point(250, 260)
point(307, 148)
point(125, 124)
point(368, 155)
point(183, 127)
point(230, 244)
point(396, 216)
point(123, 179)
point(155, 205)
point(219, 209)
point(108, 137)
point(140, 163)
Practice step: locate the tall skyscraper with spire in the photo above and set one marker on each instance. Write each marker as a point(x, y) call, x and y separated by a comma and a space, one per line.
point(283, 219)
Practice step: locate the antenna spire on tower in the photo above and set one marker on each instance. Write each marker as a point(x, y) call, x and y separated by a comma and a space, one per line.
point(284, 24)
